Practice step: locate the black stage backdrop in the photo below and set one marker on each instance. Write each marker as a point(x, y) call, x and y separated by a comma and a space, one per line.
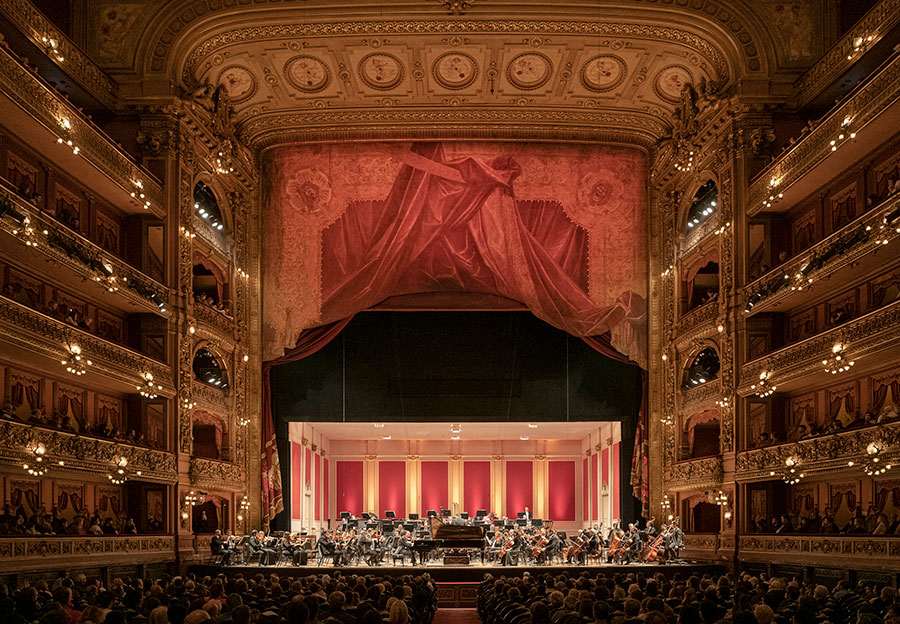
point(456, 367)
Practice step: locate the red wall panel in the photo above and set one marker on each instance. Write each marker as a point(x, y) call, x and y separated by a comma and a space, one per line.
point(392, 487)
point(434, 486)
point(585, 491)
point(615, 486)
point(296, 483)
point(561, 497)
point(325, 488)
point(595, 490)
point(519, 487)
point(476, 486)
point(349, 487)
point(317, 488)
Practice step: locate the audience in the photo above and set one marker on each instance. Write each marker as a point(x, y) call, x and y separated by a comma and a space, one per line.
point(322, 599)
point(638, 599)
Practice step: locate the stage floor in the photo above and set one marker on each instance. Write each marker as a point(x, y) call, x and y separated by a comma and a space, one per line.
point(472, 573)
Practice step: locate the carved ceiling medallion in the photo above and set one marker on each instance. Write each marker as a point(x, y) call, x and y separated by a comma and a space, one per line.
point(529, 70)
point(603, 72)
point(670, 81)
point(380, 70)
point(239, 82)
point(455, 70)
point(307, 73)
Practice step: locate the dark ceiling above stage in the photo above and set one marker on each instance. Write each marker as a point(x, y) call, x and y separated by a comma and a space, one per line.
point(455, 366)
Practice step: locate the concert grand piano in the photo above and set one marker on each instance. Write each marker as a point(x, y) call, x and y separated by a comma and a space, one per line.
point(450, 537)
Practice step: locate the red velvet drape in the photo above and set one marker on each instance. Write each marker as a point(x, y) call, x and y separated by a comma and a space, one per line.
point(308, 343)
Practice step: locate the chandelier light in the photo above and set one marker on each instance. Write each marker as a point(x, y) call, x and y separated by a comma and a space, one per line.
point(75, 362)
point(838, 362)
point(791, 473)
point(119, 475)
point(244, 509)
point(149, 388)
point(874, 465)
point(36, 466)
point(764, 387)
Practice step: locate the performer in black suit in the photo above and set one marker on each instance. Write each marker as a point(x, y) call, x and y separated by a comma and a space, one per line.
point(404, 547)
point(217, 546)
point(257, 545)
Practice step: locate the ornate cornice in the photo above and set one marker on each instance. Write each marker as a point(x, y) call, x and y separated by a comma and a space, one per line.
point(866, 103)
point(867, 551)
point(47, 336)
point(69, 249)
point(696, 474)
point(819, 455)
point(843, 248)
point(696, 396)
point(214, 325)
point(878, 22)
point(461, 123)
point(83, 454)
point(418, 28)
point(212, 237)
point(210, 474)
point(701, 541)
point(74, 63)
point(19, 553)
point(210, 398)
point(865, 336)
point(52, 110)
point(698, 324)
point(701, 233)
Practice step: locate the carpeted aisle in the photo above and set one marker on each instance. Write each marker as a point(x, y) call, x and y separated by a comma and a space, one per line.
point(456, 616)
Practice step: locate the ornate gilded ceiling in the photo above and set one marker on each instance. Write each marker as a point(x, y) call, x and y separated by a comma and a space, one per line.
point(569, 69)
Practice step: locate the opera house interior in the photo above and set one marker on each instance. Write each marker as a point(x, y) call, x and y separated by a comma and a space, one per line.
point(430, 311)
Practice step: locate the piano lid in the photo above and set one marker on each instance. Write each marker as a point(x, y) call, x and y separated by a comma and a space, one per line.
point(443, 531)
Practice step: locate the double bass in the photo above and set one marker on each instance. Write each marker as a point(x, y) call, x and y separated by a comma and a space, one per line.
point(655, 546)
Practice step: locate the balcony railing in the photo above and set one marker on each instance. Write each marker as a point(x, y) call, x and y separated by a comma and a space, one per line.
point(211, 474)
point(69, 551)
point(862, 107)
point(72, 250)
point(699, 394)
point(821, 454)
point(859, 552)
point(67, 55)
point(66, 122)
point(82, 454)
point(863, 336)
point(864, 235)
point(694, 474)
point(693, 319)
point(39, 333)
point(220, 322)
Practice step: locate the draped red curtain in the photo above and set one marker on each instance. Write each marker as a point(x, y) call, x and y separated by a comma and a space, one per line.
point(310, 341)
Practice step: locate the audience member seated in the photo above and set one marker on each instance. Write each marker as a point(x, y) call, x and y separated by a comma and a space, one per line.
point(326, 598)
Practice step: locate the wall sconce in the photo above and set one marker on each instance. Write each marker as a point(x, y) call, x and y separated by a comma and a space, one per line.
point(36, 466)
point(119, 475)
point(75, 362)
point(837, 362)
point(873, 465)
point(243, 509)
point(148, 389)
point(51, 47)
point(791, 473)
point(27, 234)
point(763, 387)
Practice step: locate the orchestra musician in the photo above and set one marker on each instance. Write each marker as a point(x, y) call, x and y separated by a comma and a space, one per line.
point(219, 546)
point(404, 547)
point(257, 545)
point(674, 541)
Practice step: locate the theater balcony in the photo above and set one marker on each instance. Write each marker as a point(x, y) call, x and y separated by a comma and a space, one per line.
point(696, 474)
point(76, 552)
point(791, 553)
point(50, 124)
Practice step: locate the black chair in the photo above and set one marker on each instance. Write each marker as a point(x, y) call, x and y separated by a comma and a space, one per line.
point(322, 555)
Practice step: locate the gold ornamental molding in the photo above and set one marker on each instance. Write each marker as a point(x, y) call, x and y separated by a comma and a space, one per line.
point(858, 238)
point(849, 49)
point(824, 454)
point(701, 541)
point(210, 474)
point(129, 281)
point(697, 396)
point(24, 87)
point(212, 237)
point(41, 334)
point(454, 123)
point(865, 104)
point(82, 454)
point(419, 28)
point(212, 399)
point(700, 234)
point(27, 553)
point(866, 335)
point(698, 324)
point(67, 56)
point(695, 474)
point(214, 325)
point(859, 552)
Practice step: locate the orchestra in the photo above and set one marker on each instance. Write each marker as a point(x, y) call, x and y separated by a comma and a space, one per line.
point(507, 543)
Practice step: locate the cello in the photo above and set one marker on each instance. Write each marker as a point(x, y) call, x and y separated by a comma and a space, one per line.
point(654, 547)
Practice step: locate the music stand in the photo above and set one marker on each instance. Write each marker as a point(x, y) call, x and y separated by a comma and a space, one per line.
point(481, 513)
point(345, 515)
point(446, 513)
point(390, 514)
point(464, 515)
point(520, 515)
point(522, 522)
point(409, 527)
point(371, 525)
point(413, 516)
point(432, 513)
point(537, 522)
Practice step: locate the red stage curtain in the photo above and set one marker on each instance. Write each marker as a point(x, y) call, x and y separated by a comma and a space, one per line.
point(310, 341)
point(349, 487)
point(595, 486)
point(476, 486)
point(614, 486)
point(561, 497)
point(296, 483)
point(434, 486)
point(392, 487)
point(586, 492)
point(317, 488)
point(519, 487)
point(325, 489)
